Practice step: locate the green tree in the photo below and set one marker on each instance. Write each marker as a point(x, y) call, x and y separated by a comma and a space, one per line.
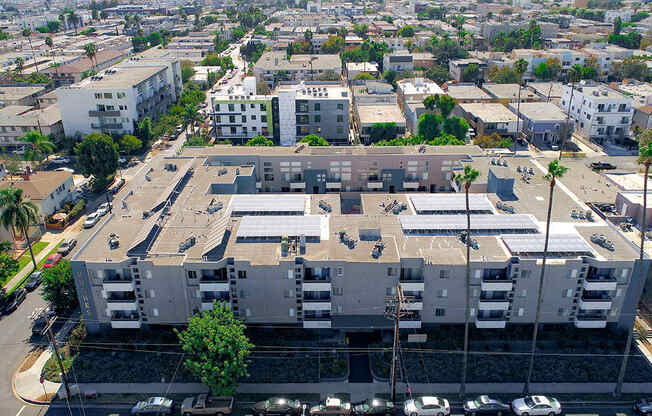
point(38, 146)
point(438, 73)
point(542, 71)
point(361, 30)
point(389, 76)
point(493, 141)
point(187, 71)
point(406, 32)
point(259, 141)
point(18, 213)
point(191, 116)
point(466, 179)
point(90, 50)
point(471, 73)
point(139, 43)
point(457, 127)
point(314, 140)
point(429, 125)
point(430, 102)
point(8, 266)
point(334, 44)
point(555, 171)
point(364, 76)
point(554, 68)
point(53, 26)
point(129, 144)
point(216, 348)
point(618, 25)
point(631, 67)
point(58, 287)
point(20, 65)
point(645, 159)
point(382, 131)
point(97, 156)
point(446, 104)
point(445, 49)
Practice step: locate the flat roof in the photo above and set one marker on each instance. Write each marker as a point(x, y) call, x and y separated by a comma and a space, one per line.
point(466, 92)
point(449, 202)
point(509, 91)
point(269, 203)
point(571, 244)
point(123, 77)
point(279, 226)
point(479, 222)
point(542, 111)
point(489, 112)
point(381, 113)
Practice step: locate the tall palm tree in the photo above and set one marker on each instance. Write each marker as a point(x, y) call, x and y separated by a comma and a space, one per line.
point(18, 213)
point(50, 43)
point(38, 146)
point(555, 171)
point(644, 158)
point(520, 67)
point(190, 116)
point(91, 52)
point(467, 178)
point(27, 32)
point(20, 64)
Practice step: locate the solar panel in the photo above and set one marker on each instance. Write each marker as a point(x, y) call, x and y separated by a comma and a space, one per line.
point(453, 223)
point(558, 243)
point(450, 202)
point(268, 203)
point(278, 226)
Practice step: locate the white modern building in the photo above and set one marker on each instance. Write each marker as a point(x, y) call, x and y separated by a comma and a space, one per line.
point(600, 113)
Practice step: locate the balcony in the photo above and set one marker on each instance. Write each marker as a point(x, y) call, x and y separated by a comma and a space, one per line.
point(297, 185)
point(411, 322)
point(590, 320)
point(490, 321)
point(316, 305)
point(600, 283)
point(595, 301)
point(317, 323)
point(315, 286)
point(414, 305)
point(411, 185)
point(106, 126)
point(107, 113)
point(213, 286)
point(333, 185)
point(121, 302)
point(375, 185)
point(317, 274)
point(117, 283)
point(494, 303)
point(496, 280)
point(122, 320)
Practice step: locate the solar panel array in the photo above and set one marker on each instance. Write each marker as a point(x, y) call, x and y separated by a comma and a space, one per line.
point(560, 243)
point(268, 203)
point(487, 222)
point(450, 202)
point(279, 226)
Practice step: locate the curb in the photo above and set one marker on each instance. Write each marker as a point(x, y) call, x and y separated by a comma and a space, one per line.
point(18, 396)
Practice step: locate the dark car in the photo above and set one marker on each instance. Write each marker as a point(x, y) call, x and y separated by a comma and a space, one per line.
point(13, 301)
point(277, 406)
point(33, 282)
point(374, 407)
point(602, 166)
point(66, 247)
point(643, 406)
point(485, 405)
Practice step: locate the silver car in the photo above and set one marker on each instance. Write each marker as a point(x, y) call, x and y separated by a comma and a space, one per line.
point(427, 406)
point(536, 406)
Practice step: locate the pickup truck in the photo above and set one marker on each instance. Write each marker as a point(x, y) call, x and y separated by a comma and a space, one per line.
point(204, 404)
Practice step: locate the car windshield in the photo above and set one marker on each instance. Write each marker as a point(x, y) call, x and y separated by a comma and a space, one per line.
point(529, 402)
point(49, 261)
point(418, 404)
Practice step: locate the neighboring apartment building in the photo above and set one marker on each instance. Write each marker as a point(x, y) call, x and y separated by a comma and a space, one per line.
point(111, 101)
point(329, 261)
point(73, 72)
point(375, 102)
point(24, 96)
point(274, 67)
point(456, 67)
point(600, 113)
point(543, 124)
point(291, 112)
point(16, 121)
point(49, 190)
point(488, 118)
point(400, 61)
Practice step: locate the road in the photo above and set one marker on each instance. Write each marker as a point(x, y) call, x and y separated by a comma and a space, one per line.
point(123, 410)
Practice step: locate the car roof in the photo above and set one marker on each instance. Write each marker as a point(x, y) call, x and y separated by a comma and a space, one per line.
point(333, 402)
point(541, 400)
point(53, 256)
point(429, 400)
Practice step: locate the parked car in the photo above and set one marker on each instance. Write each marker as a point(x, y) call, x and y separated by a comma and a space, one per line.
point(536, 406)
point(375, 407)
point(332, 406)
point(602, 166)
point(643, 406)
point(53, 260)
point(277, 406)
point(65, 170)
point(33, 281)
point(91, 220)
point(485, 405)
point(122, 160)
point(153, 406)
point(13, 300)
point(103, 209)
point(204, 404)
point(67, 246)
point(60, 160)
point(427, 406)
point(116, 186)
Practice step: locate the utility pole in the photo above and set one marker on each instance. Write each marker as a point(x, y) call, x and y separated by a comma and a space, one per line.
point(48, 328)
point(395, 309)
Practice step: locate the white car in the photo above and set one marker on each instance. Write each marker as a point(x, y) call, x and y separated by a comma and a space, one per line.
point(427, 406)
point(65, 170)
point(60, 160)
point(153, 406)
point(91, 220)
point(536, 405)
point(103, 209)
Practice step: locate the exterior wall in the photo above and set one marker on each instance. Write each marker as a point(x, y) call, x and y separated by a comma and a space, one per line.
point(641, 119)
point(287, 117)
point(329, 126)
point(54, 201)
point(241, 118)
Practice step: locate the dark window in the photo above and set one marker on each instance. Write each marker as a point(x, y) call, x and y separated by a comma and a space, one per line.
point(242, 274)
point(192, 274)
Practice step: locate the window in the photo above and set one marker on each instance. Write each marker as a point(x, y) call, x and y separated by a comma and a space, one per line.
point(440, 312)
point(262, 107)
point(340, 107)
point(289, 293)
point(526, 274)
point(253, 116)
point(252, 105)
point(233, 130)
point(263, 119)
point(566, 293)
point(247, 312)
point(317, 118)
point(317, 106)
point(443, 293)
point(561, 311)
point(338, 291)
point(120, 95)
point(242, 274)
point(340, 130)
point(192, 274)
point(244, 119)
point(390, 271)
point(390, 291)
point(340, 118)
point(444, 274)
point(231, 107)
point(217, 107)
point(108, 95)
point(521, 311)
point(340, 271)
point(98, 96)
point(523, 293)
point(291, 312)
point(243, 107)
point(152, 294)
point(573, 274)
point(154, 312)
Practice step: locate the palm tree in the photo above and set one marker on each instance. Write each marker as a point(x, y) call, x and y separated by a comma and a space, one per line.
point(38, 146)
point(520, 67)
point(467, 178)
point(190, 116)
point(91, 52)
point(555, 170)
point(20, 64)
point(18, 213)
point(50, 43)
point(27, 32)
point(644, 158)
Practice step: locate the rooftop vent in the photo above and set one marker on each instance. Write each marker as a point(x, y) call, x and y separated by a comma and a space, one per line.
point(185, 245)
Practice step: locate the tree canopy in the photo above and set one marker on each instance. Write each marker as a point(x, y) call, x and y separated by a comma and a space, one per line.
point(260, 141)
point(314, 140)
point(97, 156)
point(59, 286)
point(493, 141)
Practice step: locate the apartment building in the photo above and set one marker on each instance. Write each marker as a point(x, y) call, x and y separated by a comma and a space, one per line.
point(456, 67)
point(17, 120)
point(289, 113)
point(600, 113)
point(24, 96)
point(274, 67)
point(543, 124)
point(375, 102)
point(488, 118)
point(329, 261)
point(400, 61)
point(111, 101)
point(73, 72)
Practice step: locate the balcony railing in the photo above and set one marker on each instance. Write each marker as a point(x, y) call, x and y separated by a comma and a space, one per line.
point(591, 317)
point(210, 278)
point(124, 317)
point(217, 298)
point(106, 113)
point(106, 126)
point(495, 275)
point(312, 276)
point(494, 298)
point(316, 317)
point(116, 278)
point(308, 297)
point(124, 298)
